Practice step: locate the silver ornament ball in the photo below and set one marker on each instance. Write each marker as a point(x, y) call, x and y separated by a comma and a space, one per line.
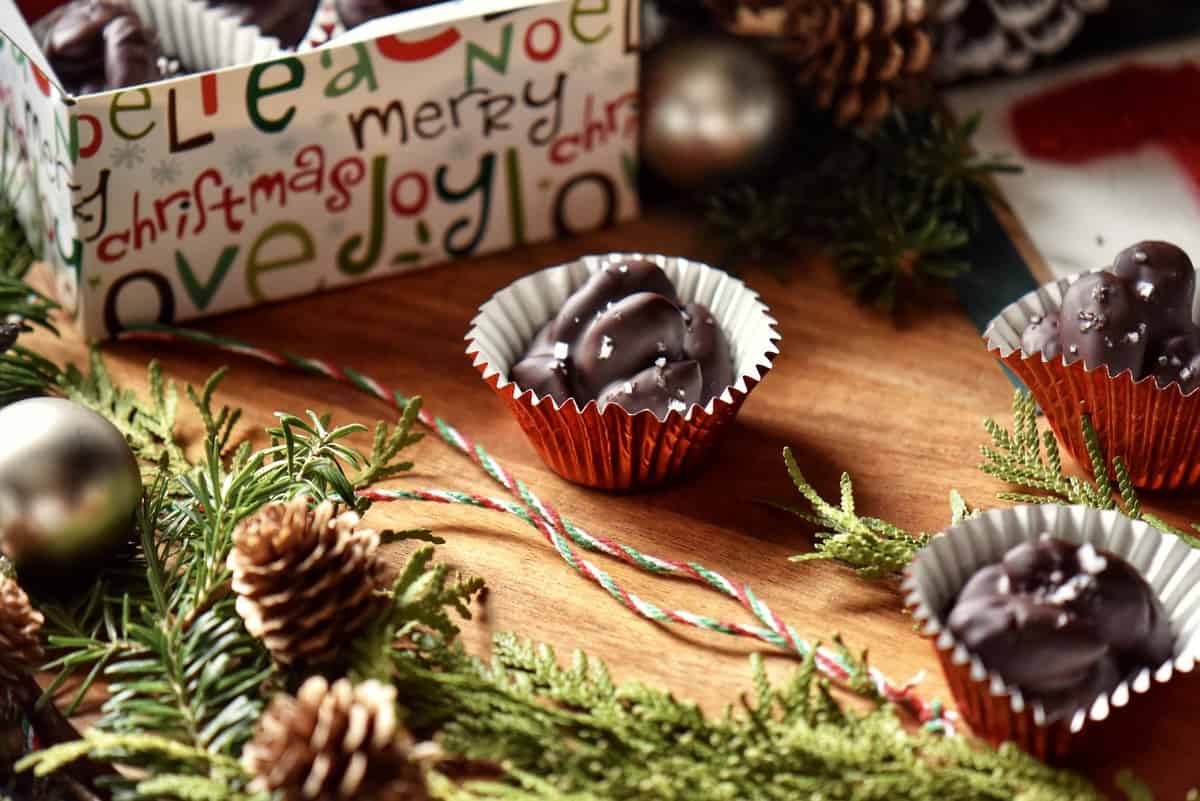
point(712, 108)
point(69, 485)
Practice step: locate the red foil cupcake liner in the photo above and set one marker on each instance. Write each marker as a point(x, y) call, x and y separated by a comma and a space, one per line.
point(612, 449)
point(1155, 431)
point(997, 711)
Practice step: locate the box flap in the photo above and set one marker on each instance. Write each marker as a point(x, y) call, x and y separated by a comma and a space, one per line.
point(440, 14)
point(14, 26)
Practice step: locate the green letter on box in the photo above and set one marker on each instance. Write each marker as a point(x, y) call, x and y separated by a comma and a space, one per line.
point(577, 12)
point(256, 92)
point(255, 268)
point(143, 104)
point(349, 78)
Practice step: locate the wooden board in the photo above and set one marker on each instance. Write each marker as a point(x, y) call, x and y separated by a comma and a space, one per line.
point(899, 405)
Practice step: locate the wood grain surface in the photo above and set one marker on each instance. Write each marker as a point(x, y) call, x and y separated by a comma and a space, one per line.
point(898, 404)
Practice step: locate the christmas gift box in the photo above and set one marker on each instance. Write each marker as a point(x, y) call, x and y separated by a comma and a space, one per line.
point(261, 171)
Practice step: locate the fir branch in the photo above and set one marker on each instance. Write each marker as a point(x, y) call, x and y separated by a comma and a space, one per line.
point(1032, 462)
point(25, 374)
point(875, 548)
point(572, 733)
point(169, 769)
point(894, 208)
point(16, 252)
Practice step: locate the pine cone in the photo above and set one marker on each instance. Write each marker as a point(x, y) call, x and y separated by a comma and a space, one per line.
point(860, 58)
point(339, 741)
point(976, 37)
point(20, 628)
point(305, 579)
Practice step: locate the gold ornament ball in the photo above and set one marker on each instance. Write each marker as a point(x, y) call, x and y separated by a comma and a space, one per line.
point(69, 486)
point(712, 108)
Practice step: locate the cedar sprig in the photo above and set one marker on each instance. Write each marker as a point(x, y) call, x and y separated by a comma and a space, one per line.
point(874, 548)
point(571, 732)
point(421, 612)
point(1032, 461)
point(148, 425)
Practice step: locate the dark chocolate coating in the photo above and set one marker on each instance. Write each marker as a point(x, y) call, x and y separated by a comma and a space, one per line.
point(602, 288)
point(622, 338)
point(1100, 323)
point(96, 45)
point(706, 343)
point(673, 385)
point(1136, 316)
point(1062, 622)
point(1163, 280)
point(355, 12)
point(1177, 360)
point(285, 20)
point(1042, 336)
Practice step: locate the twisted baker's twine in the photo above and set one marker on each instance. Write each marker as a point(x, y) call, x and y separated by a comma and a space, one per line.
point(542, 516)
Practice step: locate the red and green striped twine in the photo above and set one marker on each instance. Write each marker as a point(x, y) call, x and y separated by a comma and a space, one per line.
point(560, 533)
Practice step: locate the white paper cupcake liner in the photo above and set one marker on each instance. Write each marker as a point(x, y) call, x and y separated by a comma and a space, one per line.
point(204, 38)
point(1155, 431)
point(996, 710)
point(613, 449)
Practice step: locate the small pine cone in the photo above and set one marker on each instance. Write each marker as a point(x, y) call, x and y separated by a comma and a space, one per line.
point(859, 58)
point(978, 37)
point(305, 579)
point(20, 630)
point(333, 742)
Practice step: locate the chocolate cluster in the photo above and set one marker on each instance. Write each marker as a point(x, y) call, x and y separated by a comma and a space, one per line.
point(1135, 316)
point(624, 337)
point(355, 12)
point(1063, 622)
point(97, 45)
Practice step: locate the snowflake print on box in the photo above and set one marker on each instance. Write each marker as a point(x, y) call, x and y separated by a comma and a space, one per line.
point(454, 130)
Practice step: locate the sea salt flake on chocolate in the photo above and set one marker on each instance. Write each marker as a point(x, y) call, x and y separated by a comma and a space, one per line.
point(1090, 561)
point(562, 350)
point(606, 348)
point(1145, 290)
point(676, 405)
point(1071, 589)
point(661, 361)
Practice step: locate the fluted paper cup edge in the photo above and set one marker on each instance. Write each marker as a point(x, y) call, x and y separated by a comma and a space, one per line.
point(1169, 565)
point(539, 295)
point(205, 38)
